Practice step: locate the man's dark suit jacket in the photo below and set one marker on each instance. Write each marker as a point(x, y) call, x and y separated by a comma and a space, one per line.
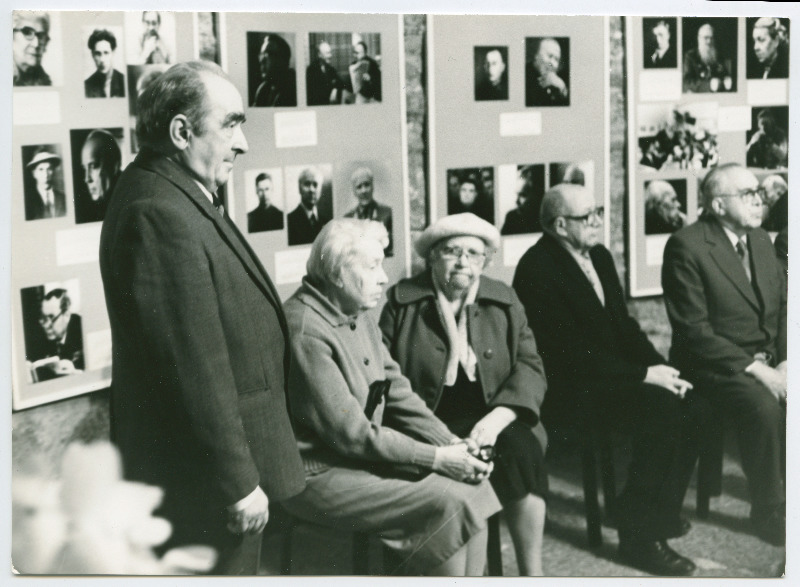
point(299, 228)
point(321, 80)
point(200, 349)
point(34, 206)
point(94, 85)
point(279, 92)
point(718, 321)
point(667, 60)
point(582, 343)
point(264, 218)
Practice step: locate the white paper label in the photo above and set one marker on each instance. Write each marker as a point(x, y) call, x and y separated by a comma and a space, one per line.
point(78, 245)
point(660, 86)
point(37, 107)
point(519, 124)
point(290, 266)
point(295, 129)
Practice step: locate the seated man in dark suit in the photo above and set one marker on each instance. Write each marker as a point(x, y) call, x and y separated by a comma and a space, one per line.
point(726, 300)
point(265, 216)
point(363, 184)
point(106, 82)
point(599, 361)
point(305, 221)
point(323, 84)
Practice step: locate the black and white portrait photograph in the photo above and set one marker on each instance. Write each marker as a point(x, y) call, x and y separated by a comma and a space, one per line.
point(768, 139)
point(343, 68)
point(150, 37)
point(471, 190)
point(575, 172)
point(709, 54)
point(678, 136)
point(207, 37)
point(103, 62)
point(660, 38)
point(96, 166)
point(43, 182)
point(272, 80)
point(264, 199)
point(767, 40)
point(547, 80)
point(52, 327)
point(521, 188)
point(491, 73)
point(365, 194)
point(309, 201)
point(139, 77)
point(36, 48)
point(775, 201)
point(664, 205)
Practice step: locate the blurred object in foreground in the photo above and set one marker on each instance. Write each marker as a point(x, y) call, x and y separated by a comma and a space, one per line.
point(92, 522)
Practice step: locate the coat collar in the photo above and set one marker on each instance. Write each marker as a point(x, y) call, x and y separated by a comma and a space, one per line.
point(312, 297)
point(413, 289)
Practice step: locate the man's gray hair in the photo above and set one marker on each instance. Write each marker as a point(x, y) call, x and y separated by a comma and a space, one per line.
point(339, 242)
point(715, 184)
point(179, 90)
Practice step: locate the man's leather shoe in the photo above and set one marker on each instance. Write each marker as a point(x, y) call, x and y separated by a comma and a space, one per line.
point(657, 558)
point(771, 528)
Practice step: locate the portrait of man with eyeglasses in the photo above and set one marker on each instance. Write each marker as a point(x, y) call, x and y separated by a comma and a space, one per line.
point(53, 332)
point(31, 36)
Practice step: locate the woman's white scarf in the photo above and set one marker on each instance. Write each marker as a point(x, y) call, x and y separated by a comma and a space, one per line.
point(459, 350)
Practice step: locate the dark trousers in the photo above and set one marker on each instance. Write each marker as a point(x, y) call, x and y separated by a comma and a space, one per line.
point(666, 432)
point(760, 423)
point(237, 554)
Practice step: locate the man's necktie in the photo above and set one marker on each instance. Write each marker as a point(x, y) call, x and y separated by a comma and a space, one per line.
point(218, 204)
point(312, 220)
point(744, 255)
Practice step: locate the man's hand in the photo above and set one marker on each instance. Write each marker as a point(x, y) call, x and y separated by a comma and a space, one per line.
point(668, 378)
point(773, 379)
point(551, 80)
point(253, 517)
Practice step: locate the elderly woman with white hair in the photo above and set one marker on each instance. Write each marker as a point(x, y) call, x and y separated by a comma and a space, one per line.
point(463, 341)
point(376, 458)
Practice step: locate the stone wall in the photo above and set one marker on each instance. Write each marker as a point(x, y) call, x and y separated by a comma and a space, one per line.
point(40, 434)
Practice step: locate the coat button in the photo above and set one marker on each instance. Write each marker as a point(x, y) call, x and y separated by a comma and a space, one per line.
point(352, 326)
point(366, 361)
point(488, 353)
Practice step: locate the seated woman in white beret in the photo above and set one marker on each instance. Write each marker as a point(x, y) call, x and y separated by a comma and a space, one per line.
point(376, 458)
point(463, 341)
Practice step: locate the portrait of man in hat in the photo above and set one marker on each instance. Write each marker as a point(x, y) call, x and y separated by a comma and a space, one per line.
point(44, 193)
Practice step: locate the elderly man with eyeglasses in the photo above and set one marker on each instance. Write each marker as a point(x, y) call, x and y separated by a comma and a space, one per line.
point(725, 293)
point(31, 35)
point(603, 372)
point(61, 345)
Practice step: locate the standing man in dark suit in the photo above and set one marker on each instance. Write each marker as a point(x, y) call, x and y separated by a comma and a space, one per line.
point(598, 359)
point(726, 300)
point(42, 198)
point(305, 221)
point(265, 216)
point(106, 82)
point(200, 352)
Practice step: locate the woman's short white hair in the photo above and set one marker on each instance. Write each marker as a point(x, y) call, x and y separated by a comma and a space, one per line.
point(338, 243)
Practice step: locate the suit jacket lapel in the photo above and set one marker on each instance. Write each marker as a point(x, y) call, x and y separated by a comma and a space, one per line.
point(725, 257)
point(574, 278)
point(172, 172)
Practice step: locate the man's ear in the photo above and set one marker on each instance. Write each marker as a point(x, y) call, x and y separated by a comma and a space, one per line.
point(558, 225)
point(180, 131)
